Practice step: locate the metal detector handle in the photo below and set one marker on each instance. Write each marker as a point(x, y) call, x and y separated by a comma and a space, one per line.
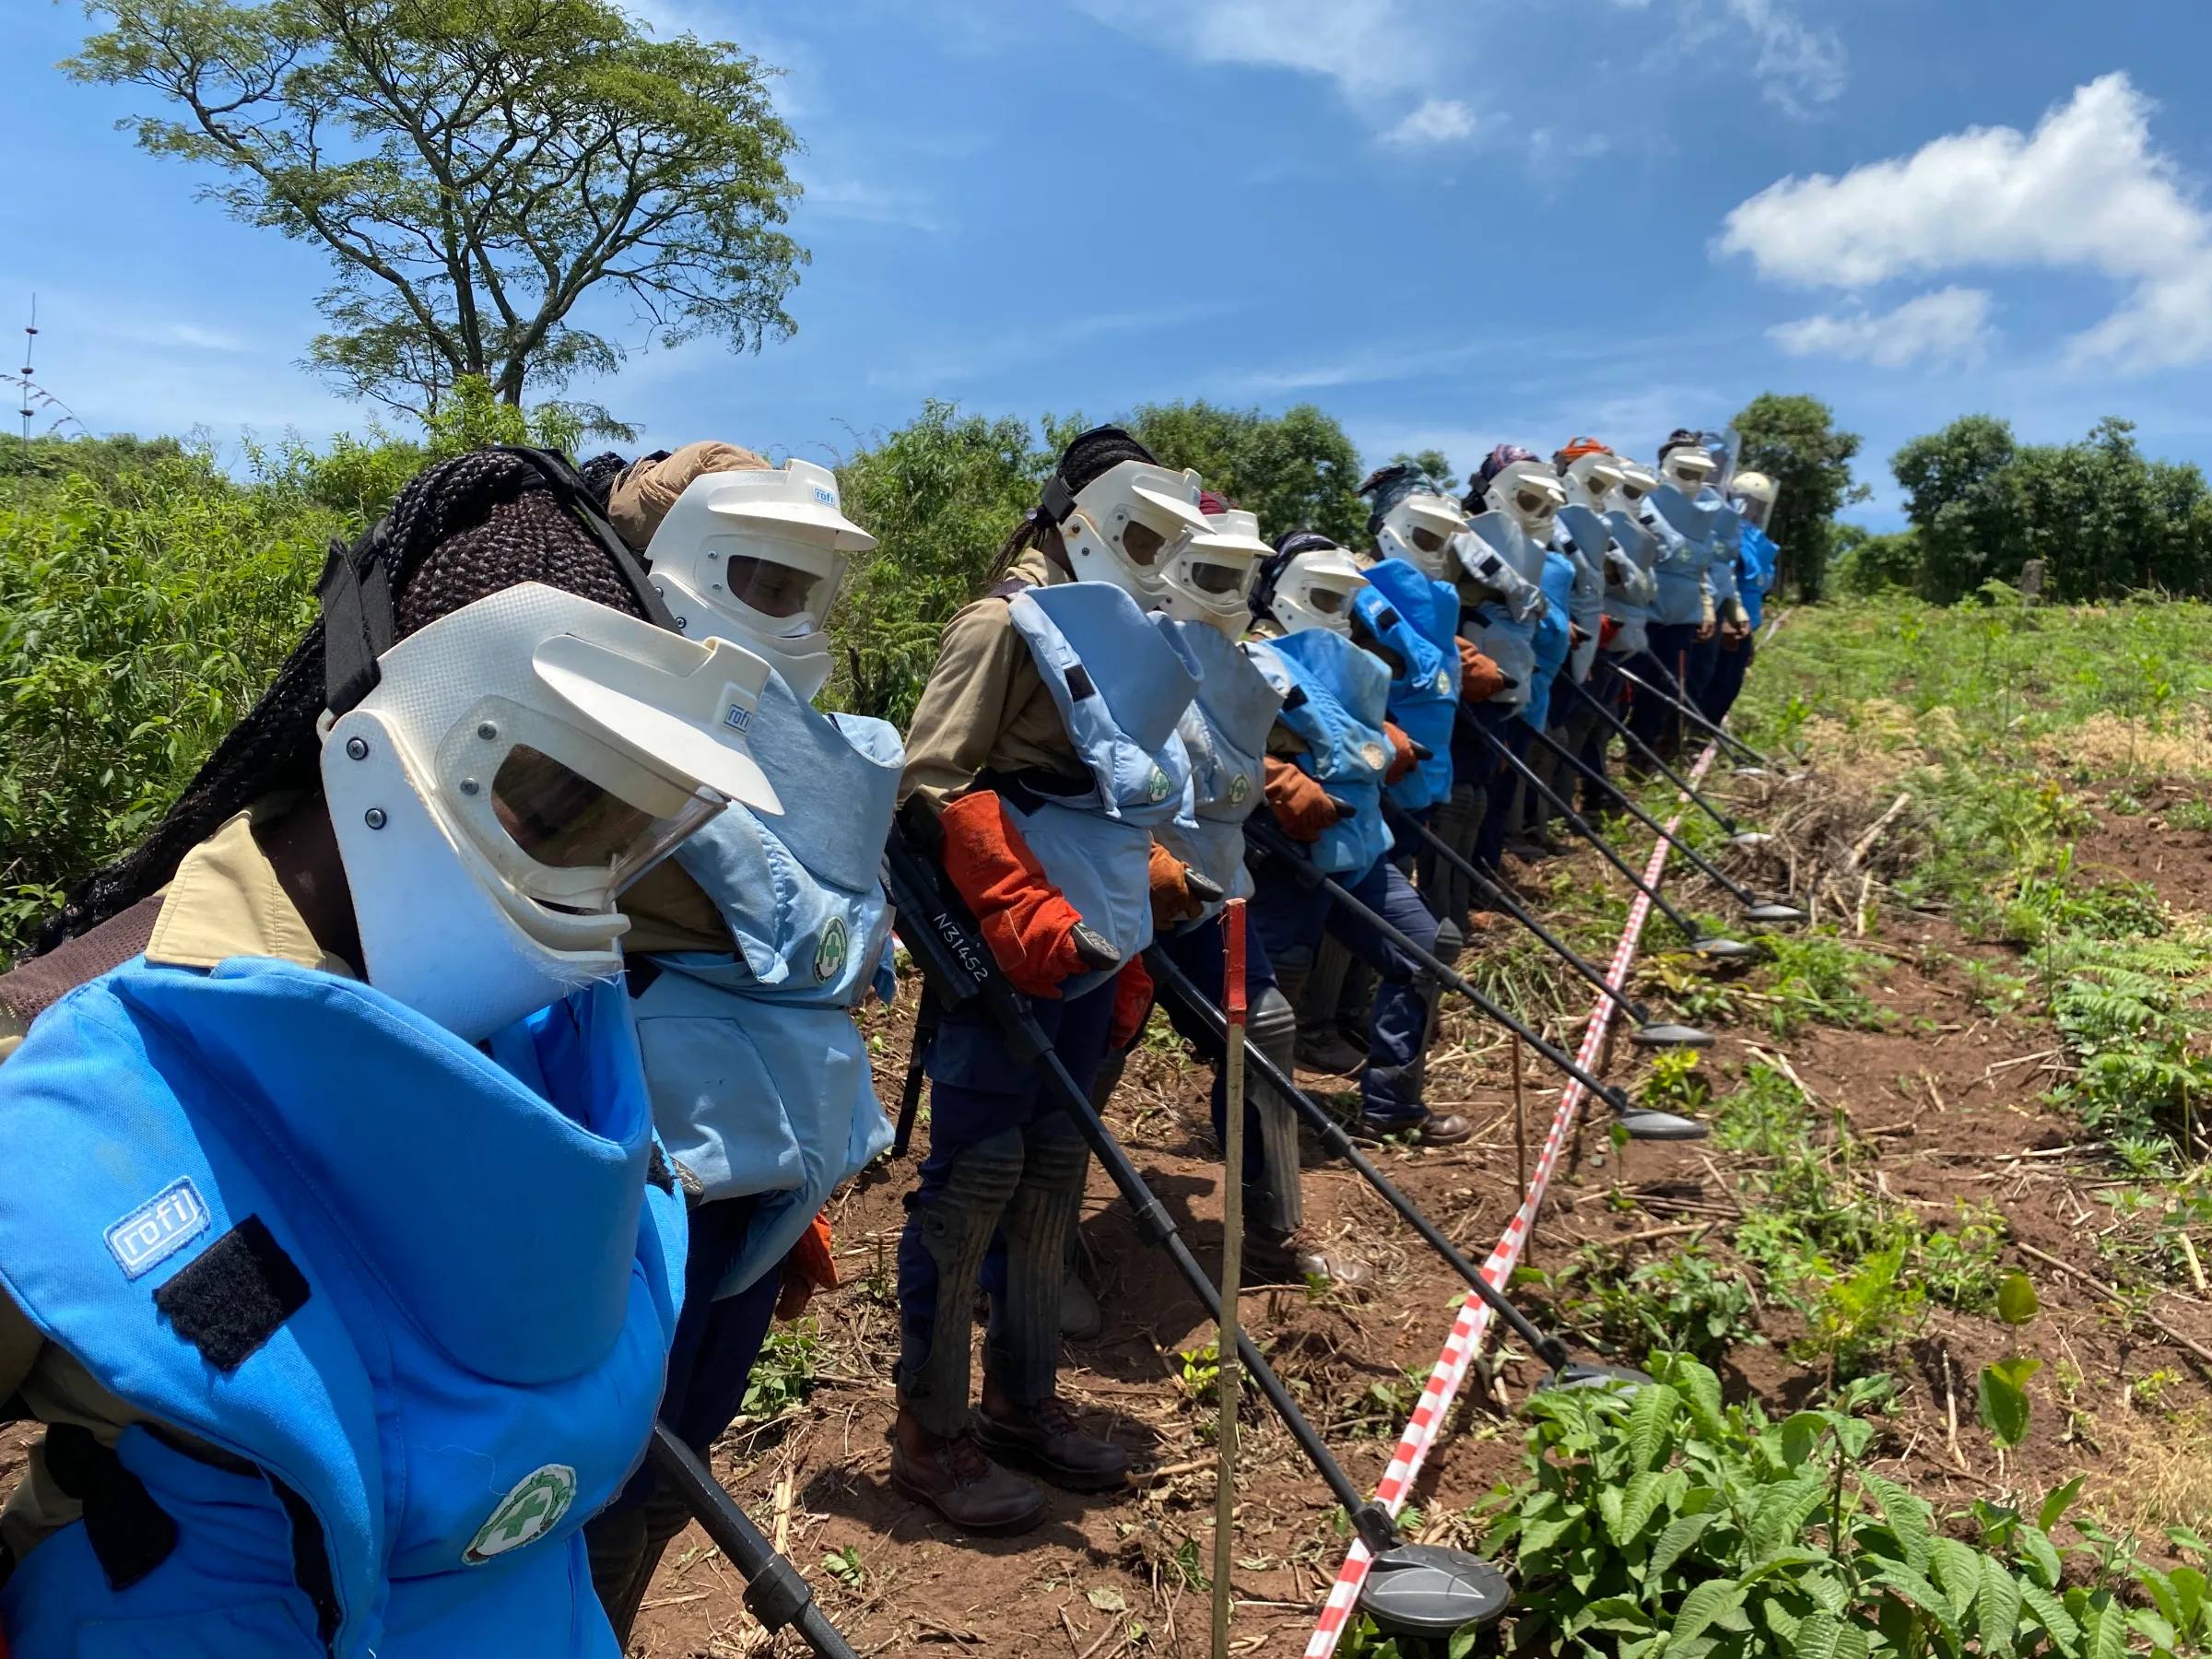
point(1577, 822)
point(774, 1591)
point(1651, 754)
point(954, 950)
point(1727, 737)
point(1399, 818)
point(926, 1016)
point(1273, 840)
point(1176, 983)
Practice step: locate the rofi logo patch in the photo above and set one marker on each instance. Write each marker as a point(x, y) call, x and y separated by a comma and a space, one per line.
point(739, 718)
point(157, 1228)
point(529, 1512)
point(830, 955)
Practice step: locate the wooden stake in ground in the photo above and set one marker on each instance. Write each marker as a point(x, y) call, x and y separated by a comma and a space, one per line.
point(1228, 1378)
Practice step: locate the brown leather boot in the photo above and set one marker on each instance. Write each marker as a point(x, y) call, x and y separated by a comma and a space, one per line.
point(954, 1478)
point(1046, 1440)
point(1294, 1257)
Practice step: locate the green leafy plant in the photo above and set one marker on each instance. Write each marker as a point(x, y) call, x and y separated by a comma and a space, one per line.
point(783, 1376)
point(1684, 1300)
point(845, 1565)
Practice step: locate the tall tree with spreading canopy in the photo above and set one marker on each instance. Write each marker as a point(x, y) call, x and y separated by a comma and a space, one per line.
point(1295, 470)
point(1793, 441)
point(475, 169)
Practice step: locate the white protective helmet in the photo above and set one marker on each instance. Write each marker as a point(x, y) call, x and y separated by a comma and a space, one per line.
point(1637, 481)
point(1590, 478)
point(1687, 464)
point(1119, 527)
point(756, 556)
point(1209, 575)
point(1530, 493)
point(1754, 493)
point(1419, 528)
point(1312, 588)
point(516, 765)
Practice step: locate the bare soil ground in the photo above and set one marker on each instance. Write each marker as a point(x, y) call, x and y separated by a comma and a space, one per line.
point(1949, 1095)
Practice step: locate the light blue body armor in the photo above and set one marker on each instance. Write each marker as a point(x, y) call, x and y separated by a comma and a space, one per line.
point(1629, 603)
point(1584, 538)
point(1491, 626)
point(481, 1285)
point(1757, 560)
point(1685, 531)
point(759, 1079)
point(1727, 542)
point(1121, 680)
point(1551, 639)
point(1336, 697)
point(1424, 693)
point(1225, 733)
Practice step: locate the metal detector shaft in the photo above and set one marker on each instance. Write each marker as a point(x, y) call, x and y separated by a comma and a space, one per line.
point(1679, 707)
point(1273, 840)
point(909, 1094)
point(1689, 790)
point(1176, 983)
point(948, 944)
point(1580, 825)
point(774, 1591)
point(1743, 895)
point(1399, 818)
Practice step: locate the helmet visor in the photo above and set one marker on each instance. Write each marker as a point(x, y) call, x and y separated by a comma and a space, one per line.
point(1141, 543)
point(562, 819)
point(1327, 601)
point(777, 590)
point(1534, 502)
point(1428, 540)
point(1218, 580)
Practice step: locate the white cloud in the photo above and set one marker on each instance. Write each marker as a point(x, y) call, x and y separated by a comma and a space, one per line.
point(1437, 121)
point(2086, 189)
point(1795, 61)
point(1951, 322)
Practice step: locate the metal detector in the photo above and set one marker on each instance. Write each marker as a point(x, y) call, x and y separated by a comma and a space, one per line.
point(1719, 733)
point(1736, 831)
point(1412, 1588)
point(1704, 944)
point(1755, 907)
point(1763, 765)
point(774, 1593)
point(1648, 1032)
point(1270, 840)
point(1567, 1372)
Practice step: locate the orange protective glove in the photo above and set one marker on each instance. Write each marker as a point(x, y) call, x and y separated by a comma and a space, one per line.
point(810, 1266)
point(1480, 678)
point(1607, 631)
point(1300, 804)
point(1027, 921)
point(1402, 758)
point(1132, 1002)
point(1173, 900)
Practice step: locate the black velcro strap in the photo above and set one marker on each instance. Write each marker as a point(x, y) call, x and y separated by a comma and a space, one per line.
point(356, 592)
point(568, 485)
point(1386, 618)
point(1056, 500)
point(235, 1296)
point(637, 974)
point(130, 1533)
point(1079, 683)
point(1295, 697)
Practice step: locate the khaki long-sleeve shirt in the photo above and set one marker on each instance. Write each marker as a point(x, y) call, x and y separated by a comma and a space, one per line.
point(986, 705)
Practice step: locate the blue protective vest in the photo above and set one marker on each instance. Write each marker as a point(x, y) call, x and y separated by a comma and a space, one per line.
point(1727, 540)
point(1552, 638)
point(1489, 626)
point(1422, 698)
point(759, 1078)
point(1336, 697)
point(1685, 531)
point(1225, 731)
point(1629, 603)
point(1584, 538)
point(427, 1292)
point(1757, 559)
point(1121, 680)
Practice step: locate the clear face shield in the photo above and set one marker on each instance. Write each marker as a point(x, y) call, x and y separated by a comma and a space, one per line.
point(1755, 495)
point(1208, 576)
point(1635, 482)
point(1687, 468)
point(757, 557)
point(1530, 494)
point(1126, 521)
point(521, 763)
point(1419, 530)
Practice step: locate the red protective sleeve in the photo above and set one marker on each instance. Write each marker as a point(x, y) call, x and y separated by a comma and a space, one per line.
point(1132, 1002)
point(810, 1266)
point(1027, 921)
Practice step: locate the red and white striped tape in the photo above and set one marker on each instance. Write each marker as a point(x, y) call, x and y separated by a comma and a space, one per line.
point(1474, 1318)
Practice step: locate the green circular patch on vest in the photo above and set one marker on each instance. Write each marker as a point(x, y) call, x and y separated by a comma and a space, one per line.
point(830, 955)
point(1443, 681)
point(1240, 786)
point(532, 1510)
point(1158, 790)
point(1375, 755)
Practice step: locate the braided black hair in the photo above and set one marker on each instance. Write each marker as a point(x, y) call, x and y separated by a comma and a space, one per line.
point(1088, 457)
point(1287, 547)
point(1387, 486)
point(459, 531)
point(599, 475)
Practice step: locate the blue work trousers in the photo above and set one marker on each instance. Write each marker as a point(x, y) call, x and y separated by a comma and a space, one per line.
point(1201, 951)
point(1727, 682)
point(1290, 917)
point(1648, 717)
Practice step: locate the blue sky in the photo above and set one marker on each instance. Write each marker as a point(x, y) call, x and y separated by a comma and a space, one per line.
point(1448, 222)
